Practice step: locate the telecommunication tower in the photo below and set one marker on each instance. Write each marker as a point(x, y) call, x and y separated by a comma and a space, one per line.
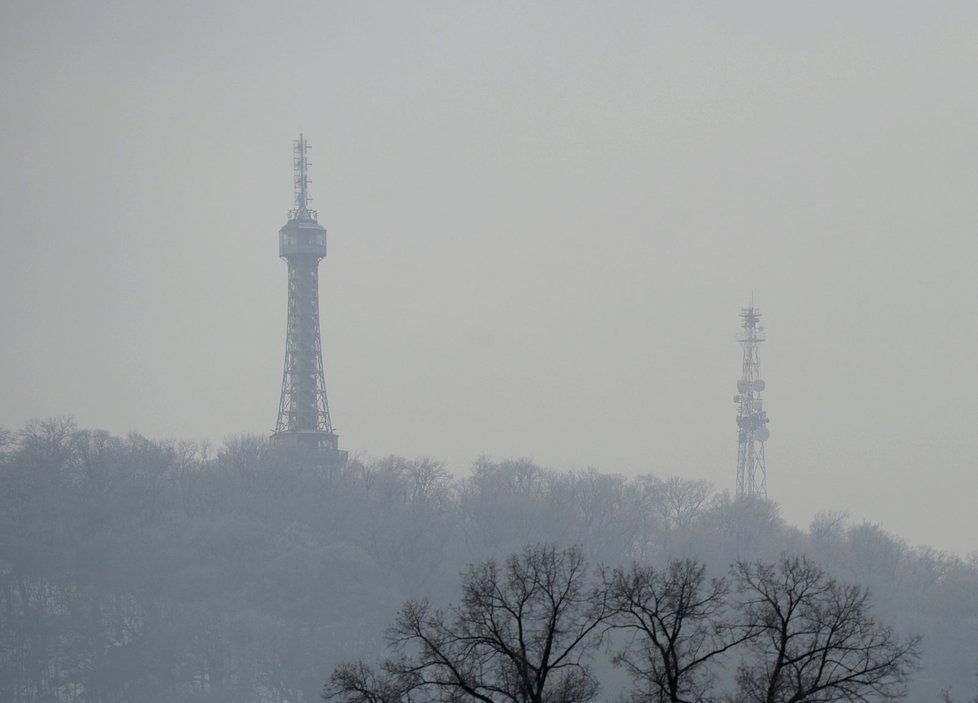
point(303, 412)
point(751, 418)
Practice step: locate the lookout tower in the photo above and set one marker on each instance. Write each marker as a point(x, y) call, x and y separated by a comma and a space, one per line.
point(303, 411)
point(752, 421)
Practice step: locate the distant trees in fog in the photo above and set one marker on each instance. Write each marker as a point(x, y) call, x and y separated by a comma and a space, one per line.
point(159, 571)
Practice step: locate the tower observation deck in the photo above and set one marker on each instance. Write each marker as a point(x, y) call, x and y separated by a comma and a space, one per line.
point(303, 412)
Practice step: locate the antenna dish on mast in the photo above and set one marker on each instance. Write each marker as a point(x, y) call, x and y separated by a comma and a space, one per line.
point(751, 418)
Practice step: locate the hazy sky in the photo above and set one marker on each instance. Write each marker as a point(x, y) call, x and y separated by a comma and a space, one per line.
point(544, 218)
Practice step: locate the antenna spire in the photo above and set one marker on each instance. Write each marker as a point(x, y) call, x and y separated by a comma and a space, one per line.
point(301, 163)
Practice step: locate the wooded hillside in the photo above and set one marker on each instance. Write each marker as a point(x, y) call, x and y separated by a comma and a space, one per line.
point(138, 570)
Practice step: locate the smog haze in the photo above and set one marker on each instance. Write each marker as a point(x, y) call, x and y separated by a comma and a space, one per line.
point(544, 220)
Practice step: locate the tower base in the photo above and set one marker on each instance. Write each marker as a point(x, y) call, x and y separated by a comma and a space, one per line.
point(325, 443)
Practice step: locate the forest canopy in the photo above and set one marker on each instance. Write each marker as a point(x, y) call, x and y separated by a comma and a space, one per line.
point(141, 570)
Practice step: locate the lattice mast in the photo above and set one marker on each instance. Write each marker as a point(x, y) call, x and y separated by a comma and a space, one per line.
point(751, 418)
point(303, 412)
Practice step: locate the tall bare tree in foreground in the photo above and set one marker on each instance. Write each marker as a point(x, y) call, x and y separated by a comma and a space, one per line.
point(817, 641)
point(680, 627)
point(521, 634)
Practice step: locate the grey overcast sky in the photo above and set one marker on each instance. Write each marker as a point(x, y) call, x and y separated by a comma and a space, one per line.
point(544, 218)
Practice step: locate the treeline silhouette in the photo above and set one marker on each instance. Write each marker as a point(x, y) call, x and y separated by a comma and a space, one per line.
point(527, 630)
point(141, 570)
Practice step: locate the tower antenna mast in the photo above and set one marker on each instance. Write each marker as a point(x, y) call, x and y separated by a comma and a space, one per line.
point(752, 431)
point(300, 165)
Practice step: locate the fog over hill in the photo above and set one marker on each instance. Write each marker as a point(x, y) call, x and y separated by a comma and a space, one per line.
point(543, 220)
point(139, 570)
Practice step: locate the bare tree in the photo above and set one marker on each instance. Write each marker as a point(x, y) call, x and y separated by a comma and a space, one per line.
point(682, 501)
point(680, 628)
point(521, 634)
point(817, 641)
point(359, 683)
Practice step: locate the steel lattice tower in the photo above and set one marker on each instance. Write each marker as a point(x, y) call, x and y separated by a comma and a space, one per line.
point(303, 412)
point(751, 418)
